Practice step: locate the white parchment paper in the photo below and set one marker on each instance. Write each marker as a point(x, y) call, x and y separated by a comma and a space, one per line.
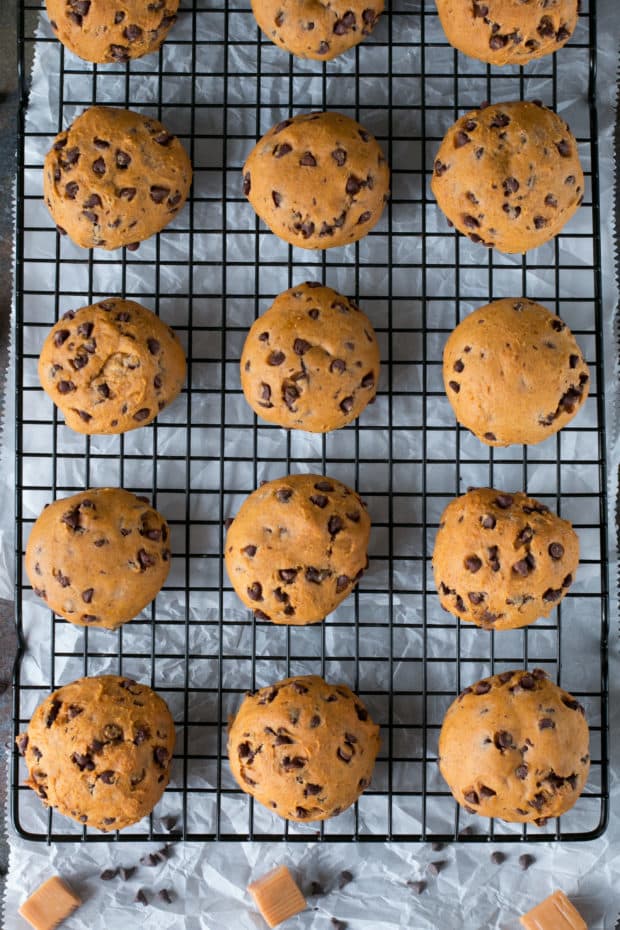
point(208, 881)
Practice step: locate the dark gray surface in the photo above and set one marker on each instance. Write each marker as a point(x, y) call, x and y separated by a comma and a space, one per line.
point(8, 127)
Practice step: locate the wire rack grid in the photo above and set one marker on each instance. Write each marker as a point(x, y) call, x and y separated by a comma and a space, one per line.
point(219, 85)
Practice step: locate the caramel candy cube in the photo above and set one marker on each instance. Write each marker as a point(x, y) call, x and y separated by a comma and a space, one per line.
point(554, 913)
point(277, 896)
point(49, 905)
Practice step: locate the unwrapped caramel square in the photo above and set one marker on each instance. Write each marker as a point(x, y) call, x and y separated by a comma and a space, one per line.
point(49, 905)
point(277, 896)
point(554, 913)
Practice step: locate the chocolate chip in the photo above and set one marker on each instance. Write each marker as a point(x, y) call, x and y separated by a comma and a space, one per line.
point(158, 194)
point(496, 42)
point(315, 721)
point(128, 193)
point(141, 897)
point(289, 395)
point(338, 365)
point(434, 868)
point(315, 575)
point(456, 387)
point(65, 387)
point(334, 525)
point(527, 682)
point(145, 559)
point(160, 755)
point(123, 159)
point(132, 32)
point(255, 591)
point(482, 687)
point(281, 150)
point(108, 874)
point(364, 217)
point(141, 414)
point(504, 501)
point(319, 500)
point(165, 895)
point(344, 878)
point(487, 521)
point(511, 186)
point(276, 358)
point(346, 405)
point(293, 763)
point(458, 366)
point(60, 337)
point(500, 121)
point(546, 723)
point(563, 148)
point(308, 160)
point(323, 48)
point(460, 139)
point(471, 797)
point(473, 563)
point(87, 595)
point(551, 595)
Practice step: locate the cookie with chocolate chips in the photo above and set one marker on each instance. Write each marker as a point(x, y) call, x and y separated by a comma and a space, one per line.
point(513, 373)
point(111, 367)
point(111, 30)
point(318, 180)
point(311, 361)
point(99, 557)
point(502, 560)
point(99, 750)
point(508, 32)
point(310, 29)
point(509, 176)
point(114, 178)
point(303, 748)
point(515, 746)
point(297, 548)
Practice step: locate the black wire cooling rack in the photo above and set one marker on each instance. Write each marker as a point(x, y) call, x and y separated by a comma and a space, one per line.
point(219, 84)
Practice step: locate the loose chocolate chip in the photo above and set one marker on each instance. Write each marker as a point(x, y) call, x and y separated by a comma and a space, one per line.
point(460, 139)
point(504, 501)
point(108, 874)
point(255, 591)
point(525, 861)
point(434, 868)
point(344, 878)
point(141, 897)
point(497, 857)
point(473, 563)
point(165, 895)
point(417, 886)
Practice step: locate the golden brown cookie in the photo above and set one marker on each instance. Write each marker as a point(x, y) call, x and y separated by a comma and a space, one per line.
point(502, 560)
point(297, 548)
point(514, 355)
point(515, 746)
point(317, 180)
point(99, 750)
point(509, 175)
point(111, 367)
point(508, 32)
point(303, 748)
point(99, 557)
point(310, 29)
point(311, 361)
point(111, 30)
point(114, 178)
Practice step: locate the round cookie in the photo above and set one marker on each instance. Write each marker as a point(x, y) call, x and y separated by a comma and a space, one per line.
point(111, 367)
point(502, 560)
point(303, 748)
point(297, 548)
point(515, 746)
point(311, 361)
point(111, 30)
point(99, 750)
point(512, 355)
point(509, 175)
point(508, 32)
point(310, 29)
point(99, 557)
point(114, 178)
point(318, 180)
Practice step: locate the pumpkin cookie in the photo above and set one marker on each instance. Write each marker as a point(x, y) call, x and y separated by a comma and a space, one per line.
point(99, 750)
point(310, 29)
point(111, 30)
point(114, 178)
point(514, 354)
point(318, 180)
point(99, 557)
point(502, 560)
point(509, 175)
point(111, 367)
point(311, 361)
point(515, 746)
point(508, 32)
point(303, 748)
point(297, 548)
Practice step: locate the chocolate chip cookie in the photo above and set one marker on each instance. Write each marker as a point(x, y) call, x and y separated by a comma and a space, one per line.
point(310, 29)
point(502, 560)
point(99, 557)
point(303, 748)
point(318, 180)
point(111, 30)
point(509, 175)
point(311, 361)
point(99, 750)
point(114, 178)
point(508, 32)
point(297, 548)
point(111, 367)
point(512, 355)
point(515, 746)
